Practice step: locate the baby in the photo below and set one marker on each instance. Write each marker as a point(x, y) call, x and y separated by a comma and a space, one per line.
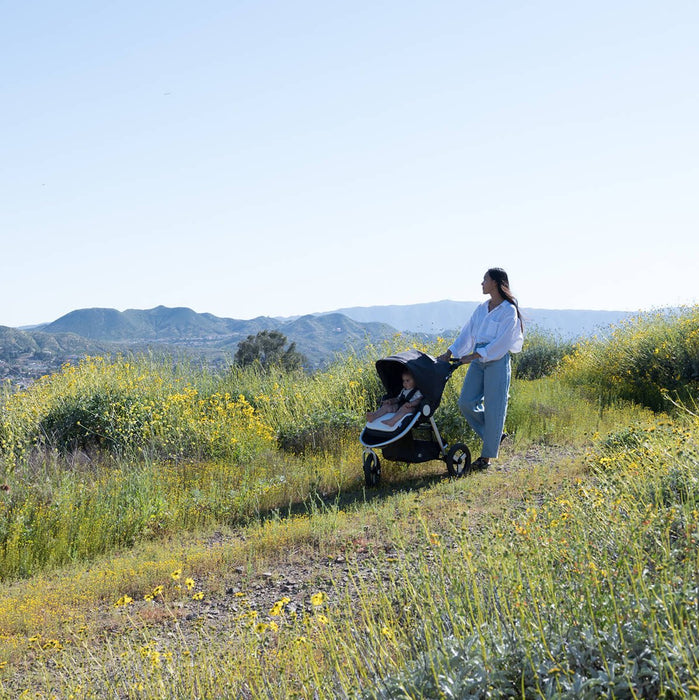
point(406, 402)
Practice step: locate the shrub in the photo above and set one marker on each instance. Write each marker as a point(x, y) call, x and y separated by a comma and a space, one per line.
point(319, 431)
point(133, 407)
point(646, 359)
point(541, 355)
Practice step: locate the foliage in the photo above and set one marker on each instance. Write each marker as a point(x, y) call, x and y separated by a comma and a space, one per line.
point(507, 583)
point(541, 355)
point(591, 593)
point(583, 591)
point(267, 349)
point(132, 407)
point(320, 431)
point(645, 359)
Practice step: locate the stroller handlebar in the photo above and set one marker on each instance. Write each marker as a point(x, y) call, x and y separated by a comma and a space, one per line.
point(454, 364)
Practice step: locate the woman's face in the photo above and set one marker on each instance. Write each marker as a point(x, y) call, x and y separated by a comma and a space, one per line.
point(488, 284)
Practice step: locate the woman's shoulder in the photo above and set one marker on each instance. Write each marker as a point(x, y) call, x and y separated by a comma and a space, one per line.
point(507, 309)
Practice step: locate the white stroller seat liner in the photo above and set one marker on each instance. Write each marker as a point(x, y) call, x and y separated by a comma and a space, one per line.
point(379, 424)
point(371, 437)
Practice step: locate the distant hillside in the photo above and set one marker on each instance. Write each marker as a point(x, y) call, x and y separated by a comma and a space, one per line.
point(25, 355)
point(319, 338)
point(99, 330)
point(446, 316)
point(161, 324)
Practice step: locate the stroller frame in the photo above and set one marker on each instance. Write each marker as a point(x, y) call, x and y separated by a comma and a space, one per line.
point(401, 445)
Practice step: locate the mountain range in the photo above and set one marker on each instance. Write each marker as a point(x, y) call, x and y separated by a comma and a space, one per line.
point(28, 353)
point(444, 317)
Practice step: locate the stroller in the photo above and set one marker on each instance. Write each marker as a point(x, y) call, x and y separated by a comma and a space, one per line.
point(411, 439)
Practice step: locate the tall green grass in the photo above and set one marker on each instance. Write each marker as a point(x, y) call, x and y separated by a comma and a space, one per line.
point(541, 355)
point(586, 592)
point(650, 359)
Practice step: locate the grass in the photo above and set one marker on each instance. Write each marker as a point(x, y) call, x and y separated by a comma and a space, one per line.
point(651, 359)
point(573, 575)
point(262, 568)
point(81, 599)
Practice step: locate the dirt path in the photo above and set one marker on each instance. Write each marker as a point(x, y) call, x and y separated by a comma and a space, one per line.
point(298, 576)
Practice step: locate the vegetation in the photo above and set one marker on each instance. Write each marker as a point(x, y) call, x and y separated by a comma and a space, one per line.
point(267, 349)
point(166, 532)
point(651, 359)
point(541, 356)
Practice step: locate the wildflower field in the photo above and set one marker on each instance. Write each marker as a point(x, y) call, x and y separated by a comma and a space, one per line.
point(170, 532)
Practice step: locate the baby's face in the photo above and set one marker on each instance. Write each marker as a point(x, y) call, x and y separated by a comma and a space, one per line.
point(408, 381)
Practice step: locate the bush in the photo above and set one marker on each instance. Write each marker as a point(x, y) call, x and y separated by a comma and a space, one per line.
point(320, 431)
point(130, 407)
point(581, 662)
point(645, 359)
point(541, 355)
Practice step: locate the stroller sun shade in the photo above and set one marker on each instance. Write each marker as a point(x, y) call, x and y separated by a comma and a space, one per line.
point(430, 376)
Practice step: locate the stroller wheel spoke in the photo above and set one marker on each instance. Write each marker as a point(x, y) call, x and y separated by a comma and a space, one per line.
point(458, 460)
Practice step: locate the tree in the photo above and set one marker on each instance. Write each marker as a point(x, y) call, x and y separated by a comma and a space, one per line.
point(267, 348)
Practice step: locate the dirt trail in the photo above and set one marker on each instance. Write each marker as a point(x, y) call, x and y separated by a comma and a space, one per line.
point(297, 578)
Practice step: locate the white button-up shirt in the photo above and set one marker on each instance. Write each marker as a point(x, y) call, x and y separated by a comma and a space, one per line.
point(495, 332)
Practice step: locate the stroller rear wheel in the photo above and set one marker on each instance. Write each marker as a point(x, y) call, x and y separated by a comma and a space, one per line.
point(458, 459)
point(372, 469)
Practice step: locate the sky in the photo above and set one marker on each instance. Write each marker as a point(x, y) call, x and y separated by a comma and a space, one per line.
point(281, 158)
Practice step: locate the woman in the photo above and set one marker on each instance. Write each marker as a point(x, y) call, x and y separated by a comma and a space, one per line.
point(486, 341)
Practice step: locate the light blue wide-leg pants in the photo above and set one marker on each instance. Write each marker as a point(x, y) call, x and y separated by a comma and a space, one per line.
point(483, 401)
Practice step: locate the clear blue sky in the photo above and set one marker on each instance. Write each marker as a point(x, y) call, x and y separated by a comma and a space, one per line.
point(281, 158)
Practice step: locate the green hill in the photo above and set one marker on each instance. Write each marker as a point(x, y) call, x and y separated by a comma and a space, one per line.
point(319, 338)
point(26, 354)
point(161, 324)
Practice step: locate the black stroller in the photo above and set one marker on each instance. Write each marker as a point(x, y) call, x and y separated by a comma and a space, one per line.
point(411, 439)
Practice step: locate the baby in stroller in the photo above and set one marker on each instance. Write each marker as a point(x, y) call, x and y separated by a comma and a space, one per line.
point(398, 406)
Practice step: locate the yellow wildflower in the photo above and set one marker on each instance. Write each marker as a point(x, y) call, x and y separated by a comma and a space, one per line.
point(318, 598)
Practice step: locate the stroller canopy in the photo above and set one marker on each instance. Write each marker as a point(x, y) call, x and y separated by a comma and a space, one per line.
point(430, 376)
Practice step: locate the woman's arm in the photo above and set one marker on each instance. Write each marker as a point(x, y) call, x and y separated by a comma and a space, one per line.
point(466, 340)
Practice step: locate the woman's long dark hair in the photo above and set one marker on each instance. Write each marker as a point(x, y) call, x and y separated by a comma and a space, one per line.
point(499, 276)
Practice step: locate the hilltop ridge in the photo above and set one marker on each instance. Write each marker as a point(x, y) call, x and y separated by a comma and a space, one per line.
point(447, 315)
point(28, 353)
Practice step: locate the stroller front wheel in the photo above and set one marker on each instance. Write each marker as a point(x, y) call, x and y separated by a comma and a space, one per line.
point(372, 469)
point(458, 459)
